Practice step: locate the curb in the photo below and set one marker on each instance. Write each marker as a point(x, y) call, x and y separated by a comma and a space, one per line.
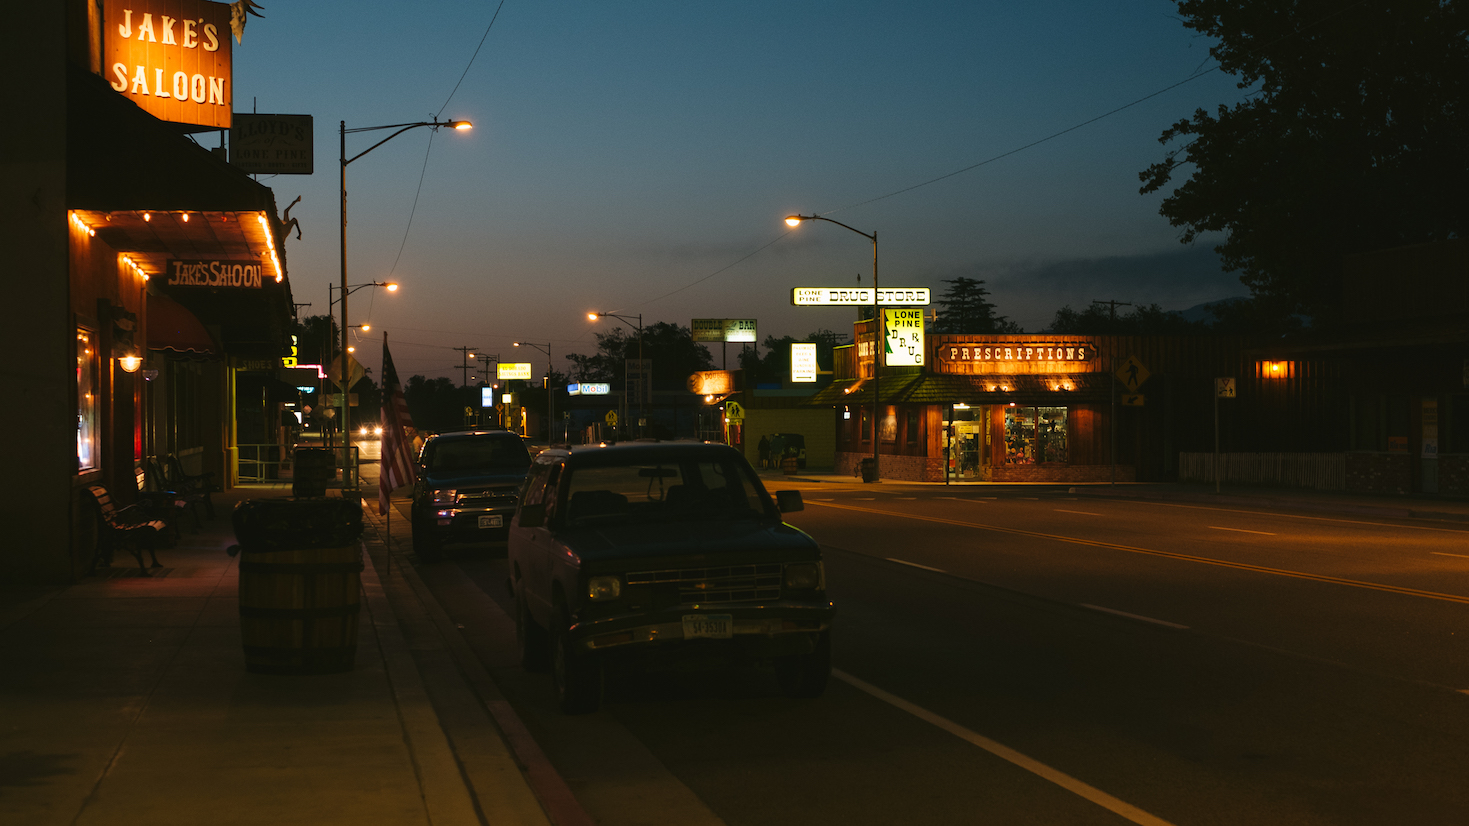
point(1385, 511)
point(558, 805)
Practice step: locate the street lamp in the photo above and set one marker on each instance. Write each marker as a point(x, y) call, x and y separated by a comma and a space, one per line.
point(550, 391)
point(459, 125)
point(879, 341)
point(347, 348)
point(642, 377)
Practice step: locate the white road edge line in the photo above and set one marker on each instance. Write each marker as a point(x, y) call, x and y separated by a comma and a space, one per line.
point(916, 565)
point(963, 498)
point(1239, 530)
point(1440, 553)
point(1065, 781)
point(1083, 513)
point(1134, 616)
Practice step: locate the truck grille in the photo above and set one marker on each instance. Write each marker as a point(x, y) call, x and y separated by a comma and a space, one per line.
point(711, 586)
point(486, 497)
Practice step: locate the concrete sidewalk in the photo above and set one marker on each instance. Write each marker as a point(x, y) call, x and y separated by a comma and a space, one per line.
point(125, 700)
point(1385, 506)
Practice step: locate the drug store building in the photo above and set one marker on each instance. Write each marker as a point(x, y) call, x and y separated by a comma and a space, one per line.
point(1030, 408)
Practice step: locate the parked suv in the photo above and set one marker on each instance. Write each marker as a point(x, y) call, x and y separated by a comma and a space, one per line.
point(467, 488)
point(653, 551)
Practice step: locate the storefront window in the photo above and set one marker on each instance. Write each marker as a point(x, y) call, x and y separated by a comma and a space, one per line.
point(86, 399)
point(1035, 435)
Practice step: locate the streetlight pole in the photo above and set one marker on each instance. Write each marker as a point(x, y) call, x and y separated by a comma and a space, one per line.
point(342, 359)
point(879, 340)
point(401, 127)
point(550, 391)
point(643, 378)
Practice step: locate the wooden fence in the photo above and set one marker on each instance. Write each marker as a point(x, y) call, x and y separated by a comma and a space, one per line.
point(1320, 471)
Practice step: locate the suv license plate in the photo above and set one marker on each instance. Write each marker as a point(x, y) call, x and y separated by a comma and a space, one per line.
point(709, 626)
point(495, 521)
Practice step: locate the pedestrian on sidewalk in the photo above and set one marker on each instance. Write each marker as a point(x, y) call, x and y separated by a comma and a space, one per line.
point(764, 449)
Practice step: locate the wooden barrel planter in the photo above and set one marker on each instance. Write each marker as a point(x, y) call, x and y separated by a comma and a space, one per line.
point(789, 465)
point(300, 584)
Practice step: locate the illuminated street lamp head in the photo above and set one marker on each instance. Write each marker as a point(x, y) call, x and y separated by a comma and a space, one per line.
point(351, 349)
point(515, 343)
point(592, 316)
point(793, 220)
point(461, 125)
point(367, 328)
point(392, 288)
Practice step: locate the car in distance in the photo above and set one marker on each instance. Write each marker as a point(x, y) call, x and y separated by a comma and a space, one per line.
point(653, 551)
point(466, 489)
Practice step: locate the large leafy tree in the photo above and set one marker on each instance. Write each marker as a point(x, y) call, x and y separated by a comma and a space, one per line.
point(670, 347)
point(965, 308)
point(1352, 138)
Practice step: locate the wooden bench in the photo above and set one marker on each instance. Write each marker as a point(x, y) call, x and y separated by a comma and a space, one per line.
point(199, 485)
point(165, 490)
point(130, 528)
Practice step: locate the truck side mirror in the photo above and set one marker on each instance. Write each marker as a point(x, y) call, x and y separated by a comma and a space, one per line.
point(532, 516)
point(789, 501)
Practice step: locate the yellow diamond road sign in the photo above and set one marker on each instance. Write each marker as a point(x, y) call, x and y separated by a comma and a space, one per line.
point(1132, 374)
point(734, 412)
point(611, 418)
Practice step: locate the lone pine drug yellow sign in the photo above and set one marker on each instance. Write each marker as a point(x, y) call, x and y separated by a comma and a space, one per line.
point(904, 342)
point(171, 57)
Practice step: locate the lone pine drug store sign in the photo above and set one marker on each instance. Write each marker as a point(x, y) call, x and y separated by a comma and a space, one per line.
point(171, 57)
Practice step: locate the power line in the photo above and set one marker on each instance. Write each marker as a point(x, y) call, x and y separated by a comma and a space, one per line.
point(472, 57)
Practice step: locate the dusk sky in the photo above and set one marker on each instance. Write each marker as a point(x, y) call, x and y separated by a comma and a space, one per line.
point(639, 158)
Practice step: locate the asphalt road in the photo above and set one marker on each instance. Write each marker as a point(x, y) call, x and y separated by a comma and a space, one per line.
point(1017, 656)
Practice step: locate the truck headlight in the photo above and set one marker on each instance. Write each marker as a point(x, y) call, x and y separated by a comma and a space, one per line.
point(804, 576)
point(603, 588)
point(443, 498)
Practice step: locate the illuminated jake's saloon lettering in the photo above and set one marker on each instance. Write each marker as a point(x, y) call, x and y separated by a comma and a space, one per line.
point(171, 57)
point(1016, 352)
point(243, 274)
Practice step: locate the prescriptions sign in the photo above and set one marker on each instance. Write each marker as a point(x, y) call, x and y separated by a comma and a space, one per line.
point(171, 57)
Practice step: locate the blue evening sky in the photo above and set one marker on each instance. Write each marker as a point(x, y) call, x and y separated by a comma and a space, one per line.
point(625, 153)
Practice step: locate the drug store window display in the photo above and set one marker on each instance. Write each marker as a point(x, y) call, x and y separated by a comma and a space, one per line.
point(1035, 435)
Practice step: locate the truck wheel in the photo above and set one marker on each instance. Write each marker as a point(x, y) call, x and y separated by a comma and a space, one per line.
point(534, 648)
point(578, 679)
point(805, 675)
point(425, 544)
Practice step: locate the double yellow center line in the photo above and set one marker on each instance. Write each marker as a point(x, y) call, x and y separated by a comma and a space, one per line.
point(1202, 560)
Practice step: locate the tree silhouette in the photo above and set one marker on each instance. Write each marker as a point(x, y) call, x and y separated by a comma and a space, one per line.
point(1352, 139)
point(964, 308)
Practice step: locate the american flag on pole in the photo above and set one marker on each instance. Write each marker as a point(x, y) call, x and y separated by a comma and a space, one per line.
point(396, 469)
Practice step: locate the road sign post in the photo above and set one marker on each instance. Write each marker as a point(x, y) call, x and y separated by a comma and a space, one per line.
point(1223, 389)
point(1132, 374)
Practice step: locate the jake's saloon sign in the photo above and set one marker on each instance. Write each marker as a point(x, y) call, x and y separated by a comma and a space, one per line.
point(171, 57)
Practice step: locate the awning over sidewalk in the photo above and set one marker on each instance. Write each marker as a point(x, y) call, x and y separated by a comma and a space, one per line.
point(170, 326)
point(155, 196)
point(933, 388)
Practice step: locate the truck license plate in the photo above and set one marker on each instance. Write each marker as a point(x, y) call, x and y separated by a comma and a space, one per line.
point(708, 626)
point(495, 521)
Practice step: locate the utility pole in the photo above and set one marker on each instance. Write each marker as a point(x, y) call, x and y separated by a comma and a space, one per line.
point(1112, 308)
point(467, 353)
